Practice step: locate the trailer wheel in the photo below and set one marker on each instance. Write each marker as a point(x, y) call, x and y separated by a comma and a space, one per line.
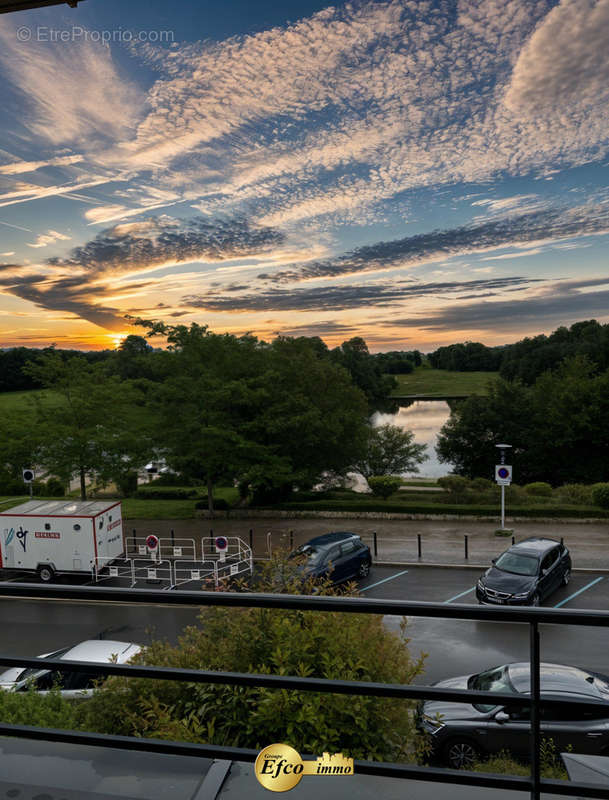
point(46, 574)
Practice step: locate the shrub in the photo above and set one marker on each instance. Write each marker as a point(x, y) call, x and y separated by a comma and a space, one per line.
point(576, 493)
point(55, 487)
point(454, 484)
point(538, 489)
point(173, 479)
point(167, 493)
point(127, 484)
point(220, 504)
point(600, 495)
point(276, 641)
point(482, 485)
point(384, 485)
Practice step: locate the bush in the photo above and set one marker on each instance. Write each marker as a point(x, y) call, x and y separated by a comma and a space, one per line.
point(167, 493)
point(454, 484)
point(55, 487)
point(220, 504)
point(384, 485)
point(276, 641)
point(600, 495)
point(538, 489)
point(173, 479)
point(577, 493)
point(127, 484)
point(46, 711)
point(482, 485)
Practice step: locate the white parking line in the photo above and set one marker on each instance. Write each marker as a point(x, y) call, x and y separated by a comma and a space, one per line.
point(457, 596)
point(579, 591)
point(378, 583)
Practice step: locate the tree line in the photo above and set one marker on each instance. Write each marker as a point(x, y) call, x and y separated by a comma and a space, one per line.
point(558, 427)
point(530, 357)
point(217, 408)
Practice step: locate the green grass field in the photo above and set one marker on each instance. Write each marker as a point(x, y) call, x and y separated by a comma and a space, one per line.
point(18, 401)
point(442, 383)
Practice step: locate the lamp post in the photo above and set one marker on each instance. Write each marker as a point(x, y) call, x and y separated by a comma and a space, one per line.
point(503, 476)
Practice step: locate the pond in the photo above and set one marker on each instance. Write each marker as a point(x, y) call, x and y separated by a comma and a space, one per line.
point(424, 418)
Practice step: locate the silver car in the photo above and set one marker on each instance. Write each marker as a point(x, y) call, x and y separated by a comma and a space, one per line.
point(70, 684)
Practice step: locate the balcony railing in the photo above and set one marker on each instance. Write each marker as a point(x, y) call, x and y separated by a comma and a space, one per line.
point(532, 617)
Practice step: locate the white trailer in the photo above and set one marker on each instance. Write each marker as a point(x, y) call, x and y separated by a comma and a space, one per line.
point(60, 537)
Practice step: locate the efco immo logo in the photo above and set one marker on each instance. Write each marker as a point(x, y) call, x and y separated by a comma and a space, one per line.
point(279, 767)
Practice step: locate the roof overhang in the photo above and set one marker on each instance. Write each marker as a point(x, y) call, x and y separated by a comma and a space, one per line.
point(23, 5)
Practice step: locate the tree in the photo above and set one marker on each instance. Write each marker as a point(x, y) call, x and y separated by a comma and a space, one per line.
point(559, 427)
point(88, 423)
point(207, 402)
point(272, 641)
point(366, 372)
point(313, 416)
point(390, 450)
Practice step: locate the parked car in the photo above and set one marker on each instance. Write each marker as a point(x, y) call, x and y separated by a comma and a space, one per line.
point(70, 684)
point(462, 733)
point(526, 573)
point(339, 556)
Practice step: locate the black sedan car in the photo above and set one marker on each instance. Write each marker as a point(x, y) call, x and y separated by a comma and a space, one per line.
point(460, 733)
point(339, 556)
point(526, 574)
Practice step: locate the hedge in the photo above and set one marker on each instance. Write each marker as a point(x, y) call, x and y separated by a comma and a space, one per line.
point(573, 512)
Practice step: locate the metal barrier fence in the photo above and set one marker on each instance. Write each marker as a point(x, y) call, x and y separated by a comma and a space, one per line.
point(532, 617)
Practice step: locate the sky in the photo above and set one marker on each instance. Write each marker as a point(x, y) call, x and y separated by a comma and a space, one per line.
point(415, 173)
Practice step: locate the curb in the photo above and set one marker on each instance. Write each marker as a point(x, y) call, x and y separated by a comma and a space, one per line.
point(595, 570)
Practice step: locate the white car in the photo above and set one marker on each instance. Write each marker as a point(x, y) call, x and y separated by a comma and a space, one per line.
point(70, 684)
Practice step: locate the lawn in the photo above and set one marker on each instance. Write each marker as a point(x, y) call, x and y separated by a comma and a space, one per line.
point(18, 401)
point(442, 383)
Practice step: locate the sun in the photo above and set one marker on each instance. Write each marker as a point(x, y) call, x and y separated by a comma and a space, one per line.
point(117, 339)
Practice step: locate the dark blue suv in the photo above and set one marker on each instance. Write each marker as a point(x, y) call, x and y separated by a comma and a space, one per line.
point(339, 556)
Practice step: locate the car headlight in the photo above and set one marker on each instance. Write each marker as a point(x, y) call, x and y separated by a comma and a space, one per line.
point(521, 596)
point(432, 724)
point(481, 586)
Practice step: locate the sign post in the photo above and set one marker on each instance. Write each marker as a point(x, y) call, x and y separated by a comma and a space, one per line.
point(28, 477)
point(221, 543)
point(503, 477)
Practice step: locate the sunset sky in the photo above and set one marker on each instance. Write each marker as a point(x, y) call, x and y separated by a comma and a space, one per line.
point(415, 173)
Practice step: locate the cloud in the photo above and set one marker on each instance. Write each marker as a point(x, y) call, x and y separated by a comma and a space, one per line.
point(81, 281)
point(559, 303)
point(127, 248)
point(537, 226)
point(328, 298)
point(48, 238)
point(19, 167)
point(71, 94)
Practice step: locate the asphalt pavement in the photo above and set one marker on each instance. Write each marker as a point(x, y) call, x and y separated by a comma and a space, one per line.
point(454, 647)
point(441, 541)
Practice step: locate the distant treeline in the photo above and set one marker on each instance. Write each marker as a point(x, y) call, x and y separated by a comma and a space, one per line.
point(14, 379)
point(528, 358)
point(136, 359)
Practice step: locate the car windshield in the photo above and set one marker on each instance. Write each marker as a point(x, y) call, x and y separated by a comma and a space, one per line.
point(32, 672)
point(493, 680)
point(517, 563)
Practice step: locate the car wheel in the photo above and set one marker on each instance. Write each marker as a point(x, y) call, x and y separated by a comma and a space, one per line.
point(364, 569)
point(536, 601)
point(566, 577)
point(46, 574)
point(461, 754)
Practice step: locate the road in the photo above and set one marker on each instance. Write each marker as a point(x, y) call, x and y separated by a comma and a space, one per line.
point(442, 541)
point(454, 647)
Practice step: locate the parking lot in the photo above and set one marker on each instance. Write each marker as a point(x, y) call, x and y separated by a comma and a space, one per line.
point(456, 585)
point(454, 647)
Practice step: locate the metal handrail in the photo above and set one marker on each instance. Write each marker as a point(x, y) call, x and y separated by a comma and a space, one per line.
point(530, 616)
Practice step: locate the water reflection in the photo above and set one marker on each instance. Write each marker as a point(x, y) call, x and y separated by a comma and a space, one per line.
point(425, 418)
